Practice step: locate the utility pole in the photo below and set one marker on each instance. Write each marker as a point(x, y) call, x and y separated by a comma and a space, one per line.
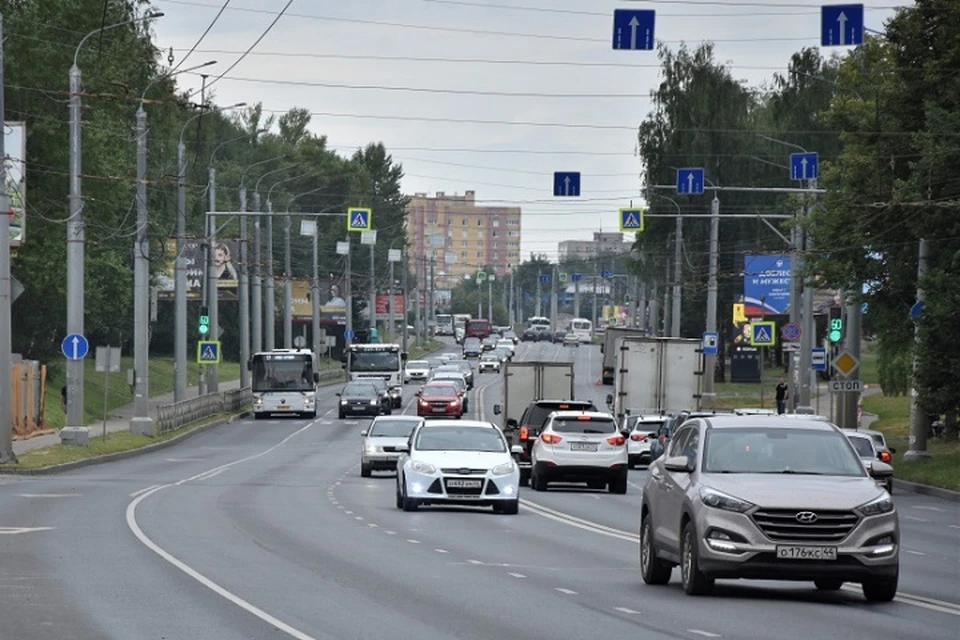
point(7, 456)
point(808, 326)
point(213, 292)
point(287, 286)
point(431, 307)
point(654, 306)
point(553, 300)
point(490, 298)
point(677, 278)
point(243, 294)
point(793, 371)
point(257, 291)
point(406, 297)
point(511, 310)
point(270, 311)
point(391, 324)
point(141, 423)
point(538, 301)
point(76, 242)
point(315, 289)
point(919, 422)
point(479, 296)
point(595, 303)
point(373, 292)
point(419, 266)
point(348, 292)
point(576, 298)
point(667, 318)
point(180, 280)
point(710, 362)
point(850, 400)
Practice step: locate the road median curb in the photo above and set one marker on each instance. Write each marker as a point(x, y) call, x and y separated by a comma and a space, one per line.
point(927, 490)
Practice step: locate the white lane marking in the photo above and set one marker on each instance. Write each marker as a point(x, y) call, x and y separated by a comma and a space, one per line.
point(914, 553)
point(413, 541)
point(587, 525)
point(705, 634)
point(212, 475)
point(475, 561)
point(349, 513)
point(955, 526)
point(569, 592)
point(136, 493)
point(635, 485)
point(47, 495)
point(134, 527)
point(390, 533)
point(625, 610)
point(940, 606)
point(12, 531)
point(915, 519)
point(441, 551)
point(358, 517)
point(372, 526)
point(926, 508)
point(517, 575)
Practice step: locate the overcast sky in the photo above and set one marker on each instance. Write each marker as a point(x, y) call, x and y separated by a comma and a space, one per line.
point(557, 53)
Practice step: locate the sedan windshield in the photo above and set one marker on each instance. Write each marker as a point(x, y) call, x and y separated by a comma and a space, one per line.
point(460, 439)
point(418, 364)
point(439, 391)
point(392, 428)
point(779, 450)
point(359, 389)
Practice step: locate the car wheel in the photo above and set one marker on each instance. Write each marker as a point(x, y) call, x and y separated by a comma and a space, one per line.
point(827, 584)
point(653, 570)
point(631, 464)
point(524, 477)
point(881, 589)
point(365, 470)
point(538, 482)
point(509, 508)
point(618, 485)
point(889, 486)
point(341, 416)
point(694, 582)
point(409, 504)
point(399, 497)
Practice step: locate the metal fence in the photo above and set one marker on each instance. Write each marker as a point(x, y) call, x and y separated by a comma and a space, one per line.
point(171, 417)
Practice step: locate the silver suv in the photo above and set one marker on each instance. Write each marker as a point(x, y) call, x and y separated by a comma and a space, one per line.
point(767, 498)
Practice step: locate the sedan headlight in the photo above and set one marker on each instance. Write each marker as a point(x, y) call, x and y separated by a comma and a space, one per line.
point(372, 448)
point(423, 467)
point(719, 500)
point(375, 401)
point(503, 469)
point(344, 402)
point(882, 504)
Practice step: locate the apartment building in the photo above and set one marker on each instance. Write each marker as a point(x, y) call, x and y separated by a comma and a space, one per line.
point(602, 243)
point(461, 236)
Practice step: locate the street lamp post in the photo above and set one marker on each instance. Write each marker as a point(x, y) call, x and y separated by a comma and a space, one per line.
point(288, 274)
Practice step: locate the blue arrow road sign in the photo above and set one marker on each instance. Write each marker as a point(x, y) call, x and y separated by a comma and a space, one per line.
point(348, 334)
point(631, 220)
point(633, 30)
point(841, 25)
point(710, 342)
point(818, 359)
point(359, 219)
point(916, 311)
point(690, 181)
point(804, 166)
point(544, 278)
point(75, 347)
point(606, 274)
point(576, 277)
point(566, 183)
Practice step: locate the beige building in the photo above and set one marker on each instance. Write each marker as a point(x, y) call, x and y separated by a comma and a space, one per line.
point(461, 237)
point(602, 243)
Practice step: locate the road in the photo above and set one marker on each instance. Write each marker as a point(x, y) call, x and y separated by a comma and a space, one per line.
point(266, 530)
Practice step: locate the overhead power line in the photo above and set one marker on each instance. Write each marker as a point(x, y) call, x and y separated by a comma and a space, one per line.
point(203, 35)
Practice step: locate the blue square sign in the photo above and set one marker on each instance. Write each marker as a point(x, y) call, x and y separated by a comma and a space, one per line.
point(690, 181)
point(711, 341)
point(566, 183)
point(841, 25)
point(804, 166)
point(633, 29)
point(631, 220)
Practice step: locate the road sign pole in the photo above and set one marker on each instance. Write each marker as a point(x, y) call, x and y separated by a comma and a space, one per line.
point(807, 324)
point(709, 366)
point(76, 239)
point(213, 295)
point(141, 423)
point(553, 300)
point(348, 294)
point(417, 320)
point(792, 368)
point(538, 302)
point(180, 281)
point(244, 295)
point(373, 290)
point(269, 293)
point(677, 279)
point(918, 417)
point(287, 285)
point(256, 293)
point(406, 296)
point(576, 298)
point(6, 359)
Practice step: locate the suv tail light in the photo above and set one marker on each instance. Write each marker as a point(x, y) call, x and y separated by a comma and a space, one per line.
point(616, 440)
point(885, 456)
point(524, 433)
point(638, 437)
point(551, 438)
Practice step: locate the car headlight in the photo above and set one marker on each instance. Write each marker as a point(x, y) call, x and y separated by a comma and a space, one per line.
point(719, 500)
point(424, 467)
point(882, 504)
point(375, 401)
point(258, 400)
point(372, 448)
point(344, 402)
point(503, 469)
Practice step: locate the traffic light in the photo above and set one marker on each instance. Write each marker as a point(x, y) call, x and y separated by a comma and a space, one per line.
point(835, 330)
point(204, 324)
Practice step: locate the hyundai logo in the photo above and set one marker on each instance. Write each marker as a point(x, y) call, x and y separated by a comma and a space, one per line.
point(806, 517)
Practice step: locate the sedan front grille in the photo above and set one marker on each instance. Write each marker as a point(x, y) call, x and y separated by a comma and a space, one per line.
point(463, 471)
point(784, 525)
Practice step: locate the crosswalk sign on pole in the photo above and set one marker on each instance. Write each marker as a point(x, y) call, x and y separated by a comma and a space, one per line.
point(359, 219)
point(763, 334)
point(208, 352)
point(631, 220)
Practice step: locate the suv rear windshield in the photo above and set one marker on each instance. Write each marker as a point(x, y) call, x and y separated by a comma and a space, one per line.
point(537, 413)
point(584, 424)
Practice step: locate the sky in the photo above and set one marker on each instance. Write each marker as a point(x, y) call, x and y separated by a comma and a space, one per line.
point(485, 95)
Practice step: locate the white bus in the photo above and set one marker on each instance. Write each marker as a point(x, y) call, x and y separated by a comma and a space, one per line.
point(582, 328)
point(444, 324)
point(284, 381)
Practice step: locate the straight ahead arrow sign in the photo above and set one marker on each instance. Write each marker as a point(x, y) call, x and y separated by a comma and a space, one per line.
point(634, 23)
point(566, 186)
point(690, 182)
point(803, 163)
point(842, 19)
point(76, 348)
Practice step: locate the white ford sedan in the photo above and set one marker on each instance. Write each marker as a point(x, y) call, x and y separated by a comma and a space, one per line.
point(458, 462)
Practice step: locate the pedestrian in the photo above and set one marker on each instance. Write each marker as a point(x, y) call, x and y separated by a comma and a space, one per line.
point(782, 395)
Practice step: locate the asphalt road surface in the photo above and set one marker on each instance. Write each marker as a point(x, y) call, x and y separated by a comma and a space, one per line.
point(266, 530)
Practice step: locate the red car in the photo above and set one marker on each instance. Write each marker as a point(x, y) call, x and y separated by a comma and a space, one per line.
point(439, 400)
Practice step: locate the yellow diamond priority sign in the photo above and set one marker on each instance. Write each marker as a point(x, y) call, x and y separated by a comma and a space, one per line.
point(845, 363)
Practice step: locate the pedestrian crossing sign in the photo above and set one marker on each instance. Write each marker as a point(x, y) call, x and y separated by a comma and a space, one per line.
point(359, 219)
point(631, 220)
point(763, 334)
point(208, 352)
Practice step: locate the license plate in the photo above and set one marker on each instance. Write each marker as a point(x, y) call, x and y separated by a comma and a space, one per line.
point(806, 553)
point(583, 446)
point(465, 484)
point(283, 407)
point(439, 410)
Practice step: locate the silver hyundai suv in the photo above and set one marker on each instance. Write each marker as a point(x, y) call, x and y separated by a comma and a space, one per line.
point(762, 497)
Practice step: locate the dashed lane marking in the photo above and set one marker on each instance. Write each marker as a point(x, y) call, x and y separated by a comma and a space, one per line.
point(569, 592)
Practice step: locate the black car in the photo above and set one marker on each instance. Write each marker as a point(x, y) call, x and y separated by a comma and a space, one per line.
point(558, 336)
point(530, 335)
point(544, 334)
point(465, 368)
point(362, 399)
point(472, 347)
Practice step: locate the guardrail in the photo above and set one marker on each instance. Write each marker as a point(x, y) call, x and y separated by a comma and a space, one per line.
point(171, 417)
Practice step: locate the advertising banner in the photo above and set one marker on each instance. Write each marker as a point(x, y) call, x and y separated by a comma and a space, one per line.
point(333, 307)
point(15, 146)
point(396, 308)
point(766, 285)
point(227, 252)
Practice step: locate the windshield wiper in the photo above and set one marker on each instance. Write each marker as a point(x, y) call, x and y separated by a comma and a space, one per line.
point(789, 471)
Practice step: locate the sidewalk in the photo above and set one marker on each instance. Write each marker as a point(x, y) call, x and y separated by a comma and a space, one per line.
point(117, 420)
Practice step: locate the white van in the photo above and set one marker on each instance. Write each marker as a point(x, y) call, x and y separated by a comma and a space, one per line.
point(582, 328)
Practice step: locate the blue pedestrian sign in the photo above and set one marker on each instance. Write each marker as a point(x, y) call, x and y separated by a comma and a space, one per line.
point(818, 359)
point(690, 182)
point(633, 29)
point(544, 278)
point(75, 347)
point(348, 334)
point(208, 352)
point(631, 220)
point(916, 311)
point(711, 341)
point(566, 183)
point(804, 166)
point(841, 25)
point(576, 277)
point(606, 274)
point(359, 219)
point(763, 334)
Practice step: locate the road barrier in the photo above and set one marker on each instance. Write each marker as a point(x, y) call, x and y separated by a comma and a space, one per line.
point(171, 417)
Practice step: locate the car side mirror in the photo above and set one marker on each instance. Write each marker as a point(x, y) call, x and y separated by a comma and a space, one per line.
point(681, 464)
point(517, 449)
point(652, 435)
point(316, 376)
point(609, 399)
point(497, 410)
point(892, 450)
point(339, 394)
point(511, 425)
point(364, 433)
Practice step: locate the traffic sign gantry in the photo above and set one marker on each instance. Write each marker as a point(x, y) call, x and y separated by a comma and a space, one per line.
point(566, 183)
point(208, 352)
point(841, 25)
point(804, 166)
point(576, 277)
point(763, 334)
point(75, 347)
point(359, 219)
point(845, 363)
point(544, 278)
point(631, 219)
point(690, 181)
point(791, 331)
point(633, 29)
point(606, 274)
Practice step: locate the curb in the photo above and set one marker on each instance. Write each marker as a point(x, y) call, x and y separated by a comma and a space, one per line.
point(122, 455)
point(927, 490)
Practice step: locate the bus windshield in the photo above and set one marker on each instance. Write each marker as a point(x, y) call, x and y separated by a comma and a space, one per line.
point(364, 361)
point(288, 372)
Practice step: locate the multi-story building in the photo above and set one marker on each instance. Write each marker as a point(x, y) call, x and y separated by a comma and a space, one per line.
point(461, 237)
point(602, 243)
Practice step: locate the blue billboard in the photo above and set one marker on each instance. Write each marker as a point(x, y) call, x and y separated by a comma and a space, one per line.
point(766, 285)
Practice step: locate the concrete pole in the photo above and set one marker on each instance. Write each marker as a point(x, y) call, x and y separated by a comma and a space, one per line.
point(257, 289)
point(180, 282)
point(553, 300)
point(919, 423)
point(854, 325)
point(315, 289)
point(348, 291)
point(677, 279)
point(511, 310)
point(287, 286)
point(595, 310)
point(213, 293)
point(431, 299)
point(642, 306)
point(7, 455)
point(270, 311)
point(710, 362)
point(576, 298)
point(141, 423)
point(538, 311)
point(793, 369)
point(420, 267)
point(391, 323)
point(373, 289)
point(667, 288)
point(244, 294)
point(406, 297)
point(654, 302)
point(76, 241)
point(808, 326)
point(490, 299)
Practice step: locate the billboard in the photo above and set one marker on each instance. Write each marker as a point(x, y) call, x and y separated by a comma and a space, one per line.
point(15, 147)
point(396, 308)
point(333, 307)
point(227, 252)
point(766, 285)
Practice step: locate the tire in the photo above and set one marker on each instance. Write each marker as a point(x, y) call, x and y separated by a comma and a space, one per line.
point(365, 470)
point(828, 584)
point(653, 570)
point(618, 485)
point(881, 589)
point(537, 481)
point(342, 417)
point(631, 464)
point(259, 416)
point(693, 580)
point(408, 504)
point(524, 477)
point(889, 486)
point(509, 508)
point(399, 497)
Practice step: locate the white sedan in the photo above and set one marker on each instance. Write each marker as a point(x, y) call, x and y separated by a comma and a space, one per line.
point(458, 462)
